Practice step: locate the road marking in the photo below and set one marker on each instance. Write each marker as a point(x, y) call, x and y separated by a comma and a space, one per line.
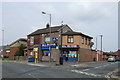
point(85, 73)
point(108, 75)
point(85, 69)
point(37, 65)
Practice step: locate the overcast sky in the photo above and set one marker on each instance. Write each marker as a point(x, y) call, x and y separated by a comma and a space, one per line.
point(92, 18)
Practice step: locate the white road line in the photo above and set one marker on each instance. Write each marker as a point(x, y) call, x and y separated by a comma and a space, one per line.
point(81, 72)
point(85, 69)
point(38, 65)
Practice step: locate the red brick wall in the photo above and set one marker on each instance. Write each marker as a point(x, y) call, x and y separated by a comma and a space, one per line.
point(12, 52)
point(6, 53)
point(86, 55)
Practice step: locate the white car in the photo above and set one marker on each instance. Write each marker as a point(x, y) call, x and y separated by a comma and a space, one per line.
point(111, 59)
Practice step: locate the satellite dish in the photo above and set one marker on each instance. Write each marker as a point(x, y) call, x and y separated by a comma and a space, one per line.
point(91, 44)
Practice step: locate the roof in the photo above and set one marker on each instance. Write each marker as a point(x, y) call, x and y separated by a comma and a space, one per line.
point(47, 30)
point(5, 47)
point(21, 39)
point(76, 33)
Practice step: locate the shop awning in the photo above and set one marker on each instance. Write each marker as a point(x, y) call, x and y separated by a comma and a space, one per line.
point(44, 48)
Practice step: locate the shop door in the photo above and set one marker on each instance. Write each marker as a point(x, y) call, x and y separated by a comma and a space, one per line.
point(65, 55)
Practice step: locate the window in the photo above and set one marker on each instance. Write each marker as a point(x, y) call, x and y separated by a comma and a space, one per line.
point(47, 39)
point(70, 39)
point(86, 41)
point(82, 40)
point(32, 40)
point(89, 41)
point(31, 53)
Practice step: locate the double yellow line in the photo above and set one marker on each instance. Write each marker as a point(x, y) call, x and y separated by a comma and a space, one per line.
point(108, 75)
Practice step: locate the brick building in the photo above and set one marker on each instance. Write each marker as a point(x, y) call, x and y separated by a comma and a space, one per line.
point(45, 44)
point(11, 49)
point(76, 46)
point(38, 42)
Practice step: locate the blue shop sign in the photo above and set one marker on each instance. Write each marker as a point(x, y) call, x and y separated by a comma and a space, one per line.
point(69, 46)
point(45, 45)
point(54, 39)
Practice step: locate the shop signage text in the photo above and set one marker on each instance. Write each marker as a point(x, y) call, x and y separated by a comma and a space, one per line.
point(69, 46)
point(49, 45)
point(54, 39)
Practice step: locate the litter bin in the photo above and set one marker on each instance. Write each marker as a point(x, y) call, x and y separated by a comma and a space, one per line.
point(31, 59)
point(61, 60)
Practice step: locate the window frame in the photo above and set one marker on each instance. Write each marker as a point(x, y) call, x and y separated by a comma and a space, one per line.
point(86, 40)
point(83, 40)
point(46, 38)
point(32, 39)
point(70, 39)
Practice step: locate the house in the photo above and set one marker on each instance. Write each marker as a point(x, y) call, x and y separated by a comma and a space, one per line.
point(49, 43)
point(39, 41)
point(10, 50)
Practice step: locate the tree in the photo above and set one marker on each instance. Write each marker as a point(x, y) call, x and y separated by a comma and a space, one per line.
point(20, 52)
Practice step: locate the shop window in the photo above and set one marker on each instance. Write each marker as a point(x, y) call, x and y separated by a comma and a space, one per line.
point(31, 39)
point(70, 39)
point(82, 40)
point(47, 39)
point(46, 53)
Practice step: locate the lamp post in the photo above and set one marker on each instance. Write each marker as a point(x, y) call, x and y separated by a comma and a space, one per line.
point(2, 40)
point(61, 55)
point(50, 33)
point(101, 46)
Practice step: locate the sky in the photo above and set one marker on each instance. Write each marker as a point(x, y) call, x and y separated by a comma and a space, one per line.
point(92, 18)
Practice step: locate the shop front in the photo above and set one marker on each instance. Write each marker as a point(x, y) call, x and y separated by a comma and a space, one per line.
point(46, 49)
point(70, 52)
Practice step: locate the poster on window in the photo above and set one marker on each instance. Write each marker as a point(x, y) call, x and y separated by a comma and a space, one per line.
point(46, 53)
point(72, 54)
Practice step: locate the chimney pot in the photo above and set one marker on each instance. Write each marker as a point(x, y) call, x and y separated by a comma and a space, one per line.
point(47, 25)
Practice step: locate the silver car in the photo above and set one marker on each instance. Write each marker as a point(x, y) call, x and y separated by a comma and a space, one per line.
point(111, 59)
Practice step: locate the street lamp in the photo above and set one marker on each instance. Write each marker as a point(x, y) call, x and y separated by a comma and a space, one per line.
point(50, 32)
point(101, 46)
point(2, 39)
point(49, 15)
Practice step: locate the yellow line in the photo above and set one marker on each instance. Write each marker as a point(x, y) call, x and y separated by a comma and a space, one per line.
point(110, 73)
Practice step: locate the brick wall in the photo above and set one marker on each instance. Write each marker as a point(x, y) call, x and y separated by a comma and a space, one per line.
point(20, 58)
point(86, 55)
point(12, 52)
point(77, 41)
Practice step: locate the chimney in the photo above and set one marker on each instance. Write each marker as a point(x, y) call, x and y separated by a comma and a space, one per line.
point(47, 25)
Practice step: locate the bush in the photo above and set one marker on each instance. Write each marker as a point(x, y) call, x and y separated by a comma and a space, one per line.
point(5, 57)
point(94, 59)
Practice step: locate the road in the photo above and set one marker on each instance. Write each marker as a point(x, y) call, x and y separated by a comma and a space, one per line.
point(94, 70)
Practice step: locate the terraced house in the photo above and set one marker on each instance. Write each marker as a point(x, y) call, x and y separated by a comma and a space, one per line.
point(49, 43)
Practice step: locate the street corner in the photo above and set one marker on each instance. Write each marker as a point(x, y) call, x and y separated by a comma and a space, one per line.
point(113, 75)
point(116, 74)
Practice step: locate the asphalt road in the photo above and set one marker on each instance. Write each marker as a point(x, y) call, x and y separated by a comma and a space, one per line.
point(94, 70)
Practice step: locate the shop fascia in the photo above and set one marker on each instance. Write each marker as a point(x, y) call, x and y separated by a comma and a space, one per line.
point(69, 46)
point(44, 45)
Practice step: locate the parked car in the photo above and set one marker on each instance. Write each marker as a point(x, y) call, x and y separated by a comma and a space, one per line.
point(111, 59)
point(117, 59)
